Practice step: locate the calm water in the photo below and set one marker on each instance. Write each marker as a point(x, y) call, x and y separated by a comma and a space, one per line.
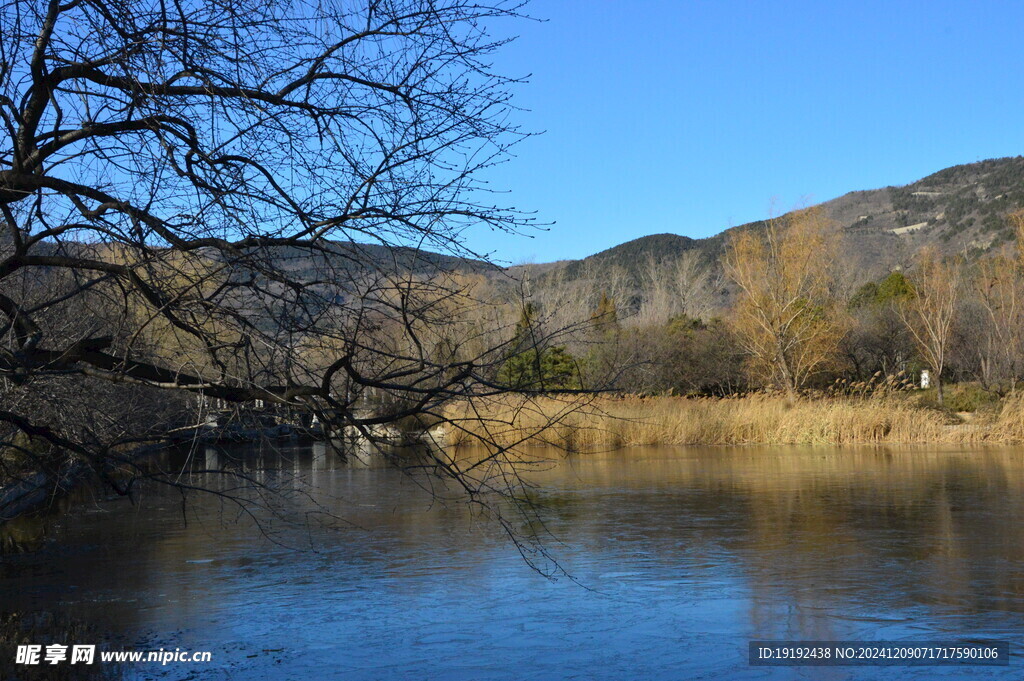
point(680, 556)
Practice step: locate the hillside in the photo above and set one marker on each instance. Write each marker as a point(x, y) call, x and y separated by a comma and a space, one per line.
point(634, 254)
point(350, 256)
point(959, 209)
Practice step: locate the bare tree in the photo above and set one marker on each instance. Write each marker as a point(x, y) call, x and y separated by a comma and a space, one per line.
point(694, 283)
point(995, 339)
point(234, 200)
point(785, 316)
point(930, 312)
point(999, 342)
point(675, 286)
point(563, 301)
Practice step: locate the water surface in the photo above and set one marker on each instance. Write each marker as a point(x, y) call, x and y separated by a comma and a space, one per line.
point(679, 556)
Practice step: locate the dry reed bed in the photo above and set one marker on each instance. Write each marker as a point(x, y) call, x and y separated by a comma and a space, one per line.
point(756, 419)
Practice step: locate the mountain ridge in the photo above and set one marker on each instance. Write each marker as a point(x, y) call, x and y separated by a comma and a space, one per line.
point(959, 208)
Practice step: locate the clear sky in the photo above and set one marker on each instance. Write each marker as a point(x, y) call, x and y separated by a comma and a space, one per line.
point(693, 116)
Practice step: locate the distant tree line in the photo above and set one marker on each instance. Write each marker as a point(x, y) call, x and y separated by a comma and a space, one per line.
point(792, 322)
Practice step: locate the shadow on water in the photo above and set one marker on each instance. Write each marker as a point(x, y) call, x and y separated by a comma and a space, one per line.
point(678, 550)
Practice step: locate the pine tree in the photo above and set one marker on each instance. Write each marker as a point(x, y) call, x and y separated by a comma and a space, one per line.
point(606, 316)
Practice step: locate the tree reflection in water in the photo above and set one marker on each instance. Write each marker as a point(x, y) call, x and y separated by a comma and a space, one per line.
point(675, 550)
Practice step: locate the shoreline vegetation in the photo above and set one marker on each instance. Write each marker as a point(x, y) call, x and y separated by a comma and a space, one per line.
point(762, 419)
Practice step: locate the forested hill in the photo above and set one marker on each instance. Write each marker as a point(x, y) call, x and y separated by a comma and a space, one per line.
point(348, 255)
point(961, 209)
point(633, 255)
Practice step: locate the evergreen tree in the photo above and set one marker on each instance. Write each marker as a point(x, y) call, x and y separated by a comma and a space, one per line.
point(530, 366)
point(606, 316)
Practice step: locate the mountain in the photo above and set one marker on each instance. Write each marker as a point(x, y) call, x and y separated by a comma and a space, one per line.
point(353, 257)
point(669, 245)
point(959, 209)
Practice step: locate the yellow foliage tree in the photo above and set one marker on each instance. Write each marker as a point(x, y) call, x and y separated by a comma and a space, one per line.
point(785, 317)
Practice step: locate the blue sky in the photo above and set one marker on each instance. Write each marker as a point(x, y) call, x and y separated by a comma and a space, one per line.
point(691, 117)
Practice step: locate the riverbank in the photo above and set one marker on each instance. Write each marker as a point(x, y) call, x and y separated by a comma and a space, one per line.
point(753, 419)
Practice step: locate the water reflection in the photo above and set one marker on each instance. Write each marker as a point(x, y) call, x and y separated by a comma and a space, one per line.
point(682, 555)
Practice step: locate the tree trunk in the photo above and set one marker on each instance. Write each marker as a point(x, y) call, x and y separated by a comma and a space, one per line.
point(788, 379)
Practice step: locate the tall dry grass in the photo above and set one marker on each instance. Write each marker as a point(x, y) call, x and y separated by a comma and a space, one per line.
point(755, 419)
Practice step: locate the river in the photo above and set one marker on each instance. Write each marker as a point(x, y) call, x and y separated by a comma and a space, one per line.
point(678, 557)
